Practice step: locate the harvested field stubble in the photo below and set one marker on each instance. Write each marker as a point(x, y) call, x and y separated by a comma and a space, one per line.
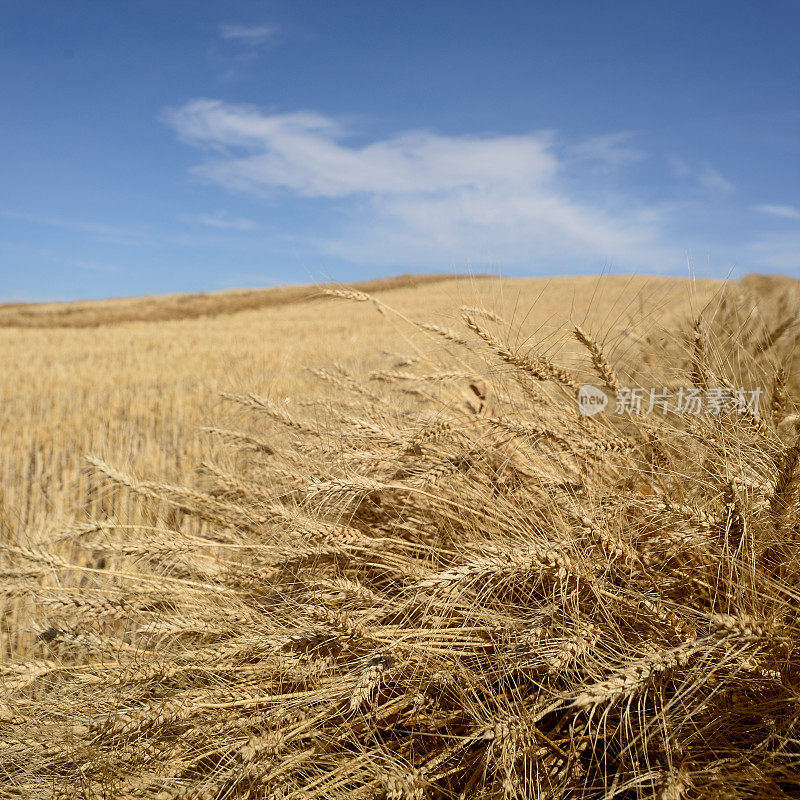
point(471, 591)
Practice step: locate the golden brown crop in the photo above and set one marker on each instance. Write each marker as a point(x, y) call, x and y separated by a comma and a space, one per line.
point(384, 594)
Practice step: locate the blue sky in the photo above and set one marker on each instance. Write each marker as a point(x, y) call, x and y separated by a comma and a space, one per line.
point(164, 146)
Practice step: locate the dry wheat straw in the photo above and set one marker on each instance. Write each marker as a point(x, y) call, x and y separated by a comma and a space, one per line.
point(239, 439)
point(347, 294)
point(445, 333)
point(699, 364)
point(416, 607)
point(779, 400)
point(785, 496)
point(483, 312)
point(389, 376)
point(601, 365)
point(538, 367)
point(266, 406)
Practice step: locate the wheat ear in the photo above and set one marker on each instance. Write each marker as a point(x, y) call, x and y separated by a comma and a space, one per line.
point(445, 333)
point(779, 401)
point(540, 368)
point(601, 365)
point(699, 371)
point(787, 485)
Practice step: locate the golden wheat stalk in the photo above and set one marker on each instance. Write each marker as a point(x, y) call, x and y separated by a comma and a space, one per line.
point(600, 363)
point(786, 494)
point(355, 296)
point(252, 400)
point(538, 623)
point(445, 333)
point(779, 399)
point(483, 312)
point(239, 439)
point(538, 367)
point(699, 362)
point(348, 294)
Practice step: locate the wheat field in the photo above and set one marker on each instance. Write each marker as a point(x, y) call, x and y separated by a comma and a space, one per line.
point(361, 544)
point(136, 391)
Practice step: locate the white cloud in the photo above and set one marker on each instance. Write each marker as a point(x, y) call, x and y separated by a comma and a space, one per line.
point(250, 35)
point(421, 197)
point(706, 177)
point(785, 212)
point(222, 219)
point(304, 153)
point(611, 151)
point(713, 181)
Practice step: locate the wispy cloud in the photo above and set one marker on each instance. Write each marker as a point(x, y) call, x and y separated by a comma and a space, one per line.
point(785, 212)
point(224, 220)
point(250, 35)
point(680, 168)
point(609, 152)
point(56, 257)
point(712, 180)
point(705, 177)
point(96, 230)
point(420, 197)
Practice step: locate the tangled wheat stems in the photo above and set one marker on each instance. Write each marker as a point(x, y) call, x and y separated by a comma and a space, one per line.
point(432, 602)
